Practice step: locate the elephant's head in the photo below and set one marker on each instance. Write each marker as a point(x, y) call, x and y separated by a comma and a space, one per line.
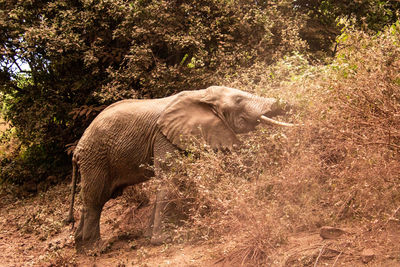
point(216, 114)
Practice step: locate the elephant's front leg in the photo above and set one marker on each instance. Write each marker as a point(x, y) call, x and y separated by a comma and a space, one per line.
point(163, 151)
point(157, 236)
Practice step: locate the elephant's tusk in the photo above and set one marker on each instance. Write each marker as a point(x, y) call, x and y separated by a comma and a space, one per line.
point(265, 119)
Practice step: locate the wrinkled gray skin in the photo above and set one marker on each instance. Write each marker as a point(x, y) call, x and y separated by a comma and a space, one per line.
point(128, 135)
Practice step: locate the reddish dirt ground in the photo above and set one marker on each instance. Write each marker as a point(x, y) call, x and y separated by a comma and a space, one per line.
point(33, 234)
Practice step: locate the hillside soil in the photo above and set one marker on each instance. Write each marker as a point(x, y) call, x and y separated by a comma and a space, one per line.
point(33, 234)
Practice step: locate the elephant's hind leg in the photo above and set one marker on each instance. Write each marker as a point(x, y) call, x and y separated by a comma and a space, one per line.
point(91, 227)
point(88, 231)
point(95, 192)
point(79, 233)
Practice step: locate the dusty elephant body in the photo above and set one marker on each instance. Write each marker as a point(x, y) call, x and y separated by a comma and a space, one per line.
point(131, 134)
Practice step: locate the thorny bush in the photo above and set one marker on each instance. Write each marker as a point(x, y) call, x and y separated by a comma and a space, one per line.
point(340, 167)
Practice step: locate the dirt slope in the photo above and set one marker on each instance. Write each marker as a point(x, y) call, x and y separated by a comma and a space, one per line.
point(32, 234)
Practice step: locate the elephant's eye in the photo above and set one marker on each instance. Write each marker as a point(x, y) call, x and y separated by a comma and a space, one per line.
point(241, 121)
point(238, 99)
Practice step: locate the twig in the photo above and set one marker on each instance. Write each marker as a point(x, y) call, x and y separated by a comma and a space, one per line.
point(16, 64)
point(393, 216)
point(333, 265)
point(382, 143)
point(173, 199)
point(320, 253)
point(346, 204)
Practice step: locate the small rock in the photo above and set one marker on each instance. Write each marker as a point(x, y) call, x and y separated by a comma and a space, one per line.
point(327, 232)
point(367, 255)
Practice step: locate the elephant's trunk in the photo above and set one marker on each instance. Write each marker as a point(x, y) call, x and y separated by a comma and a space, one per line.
point(267, 120)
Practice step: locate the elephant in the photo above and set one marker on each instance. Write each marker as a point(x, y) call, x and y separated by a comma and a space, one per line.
point(128, 136)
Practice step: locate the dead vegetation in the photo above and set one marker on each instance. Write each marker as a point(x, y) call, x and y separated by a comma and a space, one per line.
point(340, 168)
point(264, 203)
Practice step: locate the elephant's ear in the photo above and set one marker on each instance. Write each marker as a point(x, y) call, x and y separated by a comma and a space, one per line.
point(191, 115)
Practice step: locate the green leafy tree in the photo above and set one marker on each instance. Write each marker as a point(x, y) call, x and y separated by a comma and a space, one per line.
point(323, 22)
point(84, 54)
point(62, 61)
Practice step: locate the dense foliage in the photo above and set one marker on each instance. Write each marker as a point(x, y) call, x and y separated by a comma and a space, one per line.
point(340, 168)
point(326, 18)
point(82, 54)
point(62, 61)
point(338, 62)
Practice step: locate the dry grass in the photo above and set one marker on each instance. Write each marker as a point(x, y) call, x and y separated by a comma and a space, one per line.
point(340, 168)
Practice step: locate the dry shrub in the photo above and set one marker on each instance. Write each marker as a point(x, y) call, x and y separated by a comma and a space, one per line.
point(344, 165)
point(341, 167)
point(138, 195)
point(217, 194)
point(241, 197)
point(360, 126)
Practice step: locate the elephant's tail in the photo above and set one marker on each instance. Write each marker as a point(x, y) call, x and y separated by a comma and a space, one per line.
point(75, 174)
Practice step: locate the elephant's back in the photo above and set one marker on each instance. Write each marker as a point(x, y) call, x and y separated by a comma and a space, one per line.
point(127, 112)
point(141, 104)
point(123, 132)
